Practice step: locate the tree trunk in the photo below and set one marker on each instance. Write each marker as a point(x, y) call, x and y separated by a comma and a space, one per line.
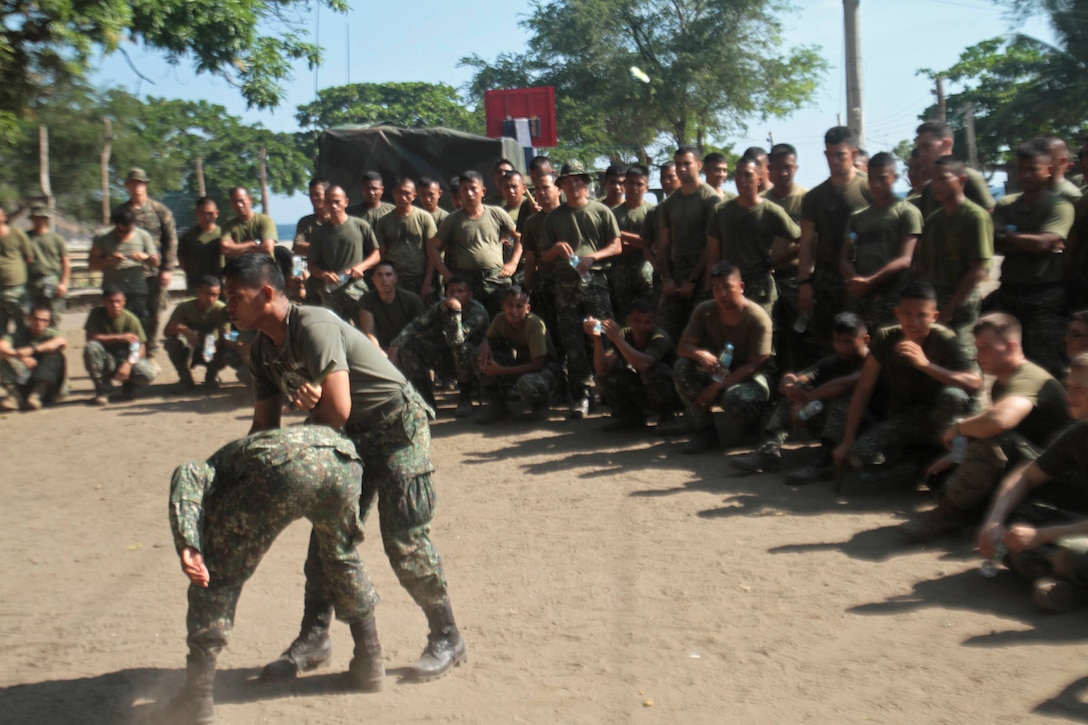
point(104, 168)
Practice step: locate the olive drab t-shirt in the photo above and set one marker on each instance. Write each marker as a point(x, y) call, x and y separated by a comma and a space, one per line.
point(976, 189)
point(1068, 452)
point(951, 243)
point(751, 336)
point(686, 217)
point(529, 341)
point(369, 215)
point(315, 338)
point(212, 320)
point(586, 230)
point(1050, 410)
point(404, 240)
point(659, 347)
point(829, 208)
point(259, 228)
point(390, 318)
point(307, 225)
point(200, 253)
point(909, 386)
point(791, 202)
point(634, 221)
point(14, 252)
point(879, 232)
point(129, 276)
point(336, 247)
point(1049, 213)
point(748, 233)
point(532, 240)
point(49, 250)
point(99, 323)
point(476, 243)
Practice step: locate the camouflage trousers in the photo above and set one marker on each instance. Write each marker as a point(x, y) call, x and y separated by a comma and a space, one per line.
point(744, 403)
point(344, 300)
point(185, 358)
point(632, 395)
point(975, 479)
point(831, 299)
point(1041, 311)
point(101, 364)
point(575, 300)
point(761, 290)
point(419, 355)
point(156, 303)
point(829, 425)
point(877, 309)
point(885, 441)
point(542, 299)
point(395, 445)
point(786, 339)
point(674, 312)
point(14, 304)
point(242, 521)
point(137, 305)
point(963, 321)
point(37, 289)
point(487, 287)
point(631, 278)
point(535, 387)
point(51, 371)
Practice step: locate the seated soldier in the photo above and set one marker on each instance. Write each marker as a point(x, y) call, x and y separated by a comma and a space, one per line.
point(830, 381)
point(724, 355)
point(444, 338)
point(1043, 533)
point(32, 365)
point(388, 308)
point(187, 335)
point(634, 371)
point(517, 351)
point(116, 349)
point(1028, 411)
point(226, 512)
point(930, 382)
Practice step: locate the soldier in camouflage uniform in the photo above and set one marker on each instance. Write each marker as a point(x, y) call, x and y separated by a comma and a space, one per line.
point(632, 275)
point(586, 229)
point(310, 358)
point(226, 512)
point(445, 338)
point(158, 221)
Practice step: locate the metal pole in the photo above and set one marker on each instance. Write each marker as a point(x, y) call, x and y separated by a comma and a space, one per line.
point(855, 113)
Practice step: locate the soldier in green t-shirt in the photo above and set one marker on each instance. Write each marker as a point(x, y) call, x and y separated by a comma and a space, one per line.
point(194, 335)
point(16, 256)
point(371, 208)
point(52, 269)
point(116, 349)
point(121, 255)
point(403, 235)
point(788, 194)
point(33, 370)
point(632, 276)
point(430, 193)
point(247, 231)
point(342, 252)
point(934, 140)
point(199, 253)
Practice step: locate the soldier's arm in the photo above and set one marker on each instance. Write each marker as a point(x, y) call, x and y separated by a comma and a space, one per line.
point(366, 325)
point(334, 406)
point(836, 387)
point(1001, 417)
point(435, 246)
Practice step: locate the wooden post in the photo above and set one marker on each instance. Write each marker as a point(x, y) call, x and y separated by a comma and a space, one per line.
point(200, 188)
point(104, 168)
point(262, 174)
point(43, 165)
point(942, 109)
point(972, 145)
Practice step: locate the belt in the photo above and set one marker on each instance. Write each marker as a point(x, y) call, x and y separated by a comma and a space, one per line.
point(384, 410)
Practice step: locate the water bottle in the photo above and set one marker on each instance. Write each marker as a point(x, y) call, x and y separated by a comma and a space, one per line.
point(49, 286)
point(1010, 229)
point(801, 324)
point(233, 336)
point(297, 263)
point(959, 449)
point(597, 327)
point(810, 410)
point(991, 566)
point(209, 347)
point(134, 352)
point(724, 361)
point(574, 260)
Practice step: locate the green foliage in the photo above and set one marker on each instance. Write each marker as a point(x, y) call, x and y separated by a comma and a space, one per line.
point(712, 68)
point(43, 44)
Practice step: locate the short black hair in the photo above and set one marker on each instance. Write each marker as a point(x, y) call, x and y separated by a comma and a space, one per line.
point(538, 162)
point(724, 269)
point(841, 134)
point(781, 151)
point(686, 149)
point(109, 290)
point(849, 323)
point(502, 162)
point(952, 164)
point(940, 129)
point(255, 270)
point(209, 280)
point(428, 181)
point(637, 170)
point(204, 200)
point(667, 165)
point(369, 176)
point(471, 175)
point(405, 180)
point(455, 184)
point(514, 290)
point(758, 151)
point(1031, 150)
point(459, 279)
point(318, 183)
point(122, 215)
point(615, 170)
point(644, 306)
point(715, 158)
point(386, 263)
point(882, 160)
point(752, 159)
point(918, 289)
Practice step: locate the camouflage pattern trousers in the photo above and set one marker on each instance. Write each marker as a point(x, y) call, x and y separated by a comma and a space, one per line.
point(395, 445)
point(185, 358)
point(885, 441)
point(535, 387)
point(575, 300)
point(242, 521)
point(101, 364)
point(14, 304)
point(829, 425)
point(632, 395)
point(420, 355)
point(975, 479)
point(631, 278)
point(344, 300)
point(744, 403)
point(156, 303)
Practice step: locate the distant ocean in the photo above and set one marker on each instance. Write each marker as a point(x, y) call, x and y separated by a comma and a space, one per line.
point(285, 233)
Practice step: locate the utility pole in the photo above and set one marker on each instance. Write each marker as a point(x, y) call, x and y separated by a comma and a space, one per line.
point(968, 111)
point(855, 114)
point(104, 168)
point(942, 106)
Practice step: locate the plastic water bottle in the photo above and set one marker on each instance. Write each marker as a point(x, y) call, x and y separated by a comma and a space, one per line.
point(724, 361)
point(297, 263)
point(134, 352)
point(810, 410)
point(574, 261)
point(233, 336)
point(1010, 229)
point(597, 327)
point(209, 347)
point(959, 449)
point(991, 566)
point(801, 324)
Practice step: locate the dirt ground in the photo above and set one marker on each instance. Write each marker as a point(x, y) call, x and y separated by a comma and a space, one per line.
point(596, 578)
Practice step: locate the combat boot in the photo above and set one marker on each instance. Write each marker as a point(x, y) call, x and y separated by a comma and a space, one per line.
point(311, 649)
point(194, 704)
point(464, 405)
point(445, 648)
point(366, 671)
point(944, 519)
point(37, 395)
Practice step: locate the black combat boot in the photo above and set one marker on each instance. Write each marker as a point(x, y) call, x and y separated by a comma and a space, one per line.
point(445, 648)
point(311, 649)
point(366, 671)
point(194, 704)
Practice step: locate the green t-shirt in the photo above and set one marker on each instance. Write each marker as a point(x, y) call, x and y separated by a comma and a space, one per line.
point(880, 232)
point(746, 235)
point(1068, 191)
point(336, 247)
point(659, 347)
point(439, 215)
point(791, 202)
point(951, 243)
point(829, 208)
point(1068, 452)
point(370, 216)
point(751, 336)
point(259, 228)
point(99, 323)
point(910, 387)
point(403, 240)
point(22, 338)
point(307, 225)
point(686, 217)
point(532, 240)
point(975, 190)
point(210, 321)
point(129, 277)
point(315, 338)
point(391, 318)
point(1049, 404)
point(476, 243)
point(1049, 213)
point(14, 252)
point(586, 230)
point(200, 254)
point(634, 221)
point(50, 249)
point(530, 341)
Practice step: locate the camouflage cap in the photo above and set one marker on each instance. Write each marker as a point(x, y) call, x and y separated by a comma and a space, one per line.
point(137, 174)
point(573, 168)
point(41, 210)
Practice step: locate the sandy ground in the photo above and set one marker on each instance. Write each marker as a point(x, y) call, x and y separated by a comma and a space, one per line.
point(596, 579)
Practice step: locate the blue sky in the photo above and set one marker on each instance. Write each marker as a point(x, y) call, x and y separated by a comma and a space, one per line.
point(381, 42)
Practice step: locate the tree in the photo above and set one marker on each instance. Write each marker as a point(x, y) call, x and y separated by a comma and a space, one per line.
point(712, 67)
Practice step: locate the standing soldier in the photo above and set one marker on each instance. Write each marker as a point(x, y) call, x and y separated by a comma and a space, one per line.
point(15, 258)
point(403, 236)
point(632, 275)
point(52, 269)
point(158, 221)
point(788, 195)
